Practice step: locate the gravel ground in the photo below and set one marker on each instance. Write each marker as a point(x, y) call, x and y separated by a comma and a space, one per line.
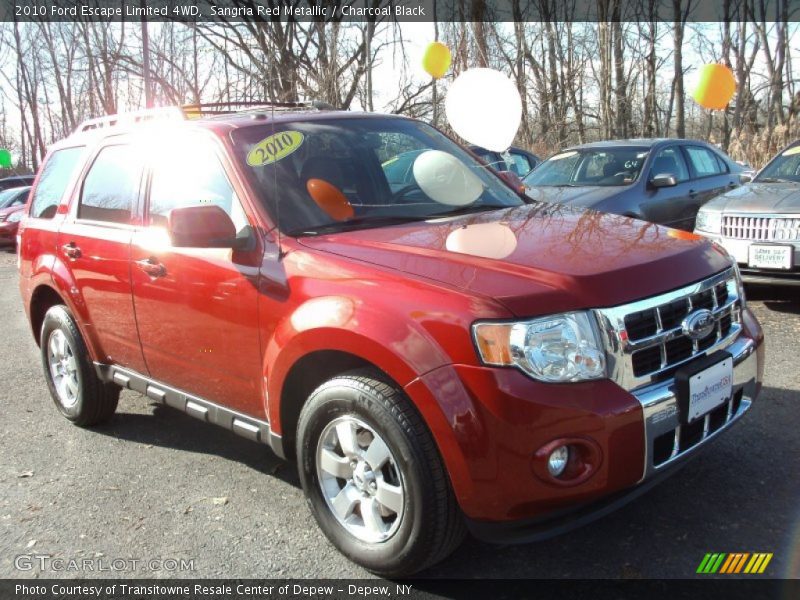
point(155, 484)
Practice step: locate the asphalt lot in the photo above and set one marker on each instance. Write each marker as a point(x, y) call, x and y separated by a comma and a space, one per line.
point(156, 484)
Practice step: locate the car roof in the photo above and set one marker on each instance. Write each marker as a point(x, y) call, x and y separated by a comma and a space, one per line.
point(220, 124)
point(636, 142)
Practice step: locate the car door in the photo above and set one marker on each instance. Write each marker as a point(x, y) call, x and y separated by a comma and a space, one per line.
point(94, 244)
point(197, 307)
point(670, 206)
point(710, 176)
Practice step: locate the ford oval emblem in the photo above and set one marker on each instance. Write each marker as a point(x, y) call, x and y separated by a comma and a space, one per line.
point(699, 324)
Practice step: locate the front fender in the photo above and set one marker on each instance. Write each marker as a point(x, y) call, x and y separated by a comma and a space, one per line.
point(396, 344)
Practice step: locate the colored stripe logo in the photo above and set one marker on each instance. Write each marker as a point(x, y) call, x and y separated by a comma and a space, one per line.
point(734, 562)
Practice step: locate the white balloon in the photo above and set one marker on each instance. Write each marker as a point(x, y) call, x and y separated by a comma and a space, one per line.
point(446, 179)
point(483, 106)
point(488, 240)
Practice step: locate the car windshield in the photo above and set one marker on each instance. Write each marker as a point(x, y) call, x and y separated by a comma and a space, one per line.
point(784, 167)
point(10, 196)
point(615, 166)
point(336, 174)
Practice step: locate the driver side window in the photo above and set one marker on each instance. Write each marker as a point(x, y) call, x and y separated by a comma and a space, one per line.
point(192, 175)
point(670, 161)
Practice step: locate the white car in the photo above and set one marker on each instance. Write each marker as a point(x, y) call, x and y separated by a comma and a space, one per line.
point(759, 223)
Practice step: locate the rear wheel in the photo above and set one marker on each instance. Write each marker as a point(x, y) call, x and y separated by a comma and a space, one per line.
point(373, 477)
point(76, 390)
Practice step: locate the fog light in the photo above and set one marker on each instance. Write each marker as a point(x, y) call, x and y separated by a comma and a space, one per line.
point(557, 461)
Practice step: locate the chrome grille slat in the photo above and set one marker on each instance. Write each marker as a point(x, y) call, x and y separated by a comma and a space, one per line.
point(761, 228)
point(636, 361)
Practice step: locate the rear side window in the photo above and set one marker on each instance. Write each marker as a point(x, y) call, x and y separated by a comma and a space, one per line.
point(111, 186)
point(56, 173)
point(705, 162)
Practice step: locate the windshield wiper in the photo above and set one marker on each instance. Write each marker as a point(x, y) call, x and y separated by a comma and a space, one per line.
point(393, 219)
point(372, 221)
point(465, 210)
point(775, 180)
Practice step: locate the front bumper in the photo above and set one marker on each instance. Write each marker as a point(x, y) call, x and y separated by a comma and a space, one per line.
point(499, 418)
point(740, 249)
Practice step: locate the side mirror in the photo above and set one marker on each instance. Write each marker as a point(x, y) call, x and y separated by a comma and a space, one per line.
point(746, 177)
point(664, 180)
point(206, 226)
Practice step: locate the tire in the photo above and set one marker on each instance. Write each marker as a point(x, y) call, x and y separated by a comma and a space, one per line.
point(416, 531)
point(77, 392)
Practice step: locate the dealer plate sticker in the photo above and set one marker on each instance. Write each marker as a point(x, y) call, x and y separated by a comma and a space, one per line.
point(709, 388)
point(770, 256)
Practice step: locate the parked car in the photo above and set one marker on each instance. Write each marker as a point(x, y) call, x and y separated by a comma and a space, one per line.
point(16, 181)
point(516, 160)
point(439, 357)
point(658, 180)
point(759, 223)
point(12, 203)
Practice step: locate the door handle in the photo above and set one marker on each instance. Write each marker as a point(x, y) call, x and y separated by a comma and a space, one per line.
point(71, 250)
point(152, 267)
point(692, 193)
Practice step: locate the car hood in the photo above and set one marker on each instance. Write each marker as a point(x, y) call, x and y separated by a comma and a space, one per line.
point(759, 198)
point(537, 259)
point(585, 196)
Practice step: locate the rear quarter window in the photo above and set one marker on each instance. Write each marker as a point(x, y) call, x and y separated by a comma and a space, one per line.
point(56, 174)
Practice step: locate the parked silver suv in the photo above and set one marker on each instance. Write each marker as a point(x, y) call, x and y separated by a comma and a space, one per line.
point(759, 223)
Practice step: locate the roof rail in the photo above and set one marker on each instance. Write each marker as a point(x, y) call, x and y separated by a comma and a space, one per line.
point(131, 118)
point(193, 111)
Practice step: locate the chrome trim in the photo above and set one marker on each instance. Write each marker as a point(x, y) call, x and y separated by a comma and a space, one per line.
point(619, 348)
point(760, 227)
point(660, 407)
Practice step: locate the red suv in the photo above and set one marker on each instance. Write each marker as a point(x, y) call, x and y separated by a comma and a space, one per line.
point(440, 355)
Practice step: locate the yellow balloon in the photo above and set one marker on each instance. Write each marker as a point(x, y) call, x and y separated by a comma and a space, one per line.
point(436, 59)
point(716, 87)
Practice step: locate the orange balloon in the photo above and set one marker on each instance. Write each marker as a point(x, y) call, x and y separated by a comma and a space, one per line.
point(716, 87)
point(330, 199)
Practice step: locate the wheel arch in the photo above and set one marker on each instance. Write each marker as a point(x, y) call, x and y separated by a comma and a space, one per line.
point(43, 298)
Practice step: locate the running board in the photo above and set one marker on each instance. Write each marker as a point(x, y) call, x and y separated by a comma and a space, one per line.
point(245, 426)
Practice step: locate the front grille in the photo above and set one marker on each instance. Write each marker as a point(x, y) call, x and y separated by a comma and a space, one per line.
point(646, 341)
point(761, 229)
point(682, 438)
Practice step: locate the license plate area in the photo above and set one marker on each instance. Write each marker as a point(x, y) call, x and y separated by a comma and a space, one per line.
point(770, 256)
point(703, 385)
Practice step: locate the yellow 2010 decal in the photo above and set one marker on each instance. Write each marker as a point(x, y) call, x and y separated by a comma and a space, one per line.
point(274, 148)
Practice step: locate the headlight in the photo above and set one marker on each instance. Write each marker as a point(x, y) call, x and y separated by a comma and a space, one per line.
point(15, 217)
point(559, 348)
point(710, 222)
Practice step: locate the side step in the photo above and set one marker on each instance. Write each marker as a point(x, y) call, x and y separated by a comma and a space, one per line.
point(243, 425)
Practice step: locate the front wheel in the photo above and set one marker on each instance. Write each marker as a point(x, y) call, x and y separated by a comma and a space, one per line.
point(373, 477)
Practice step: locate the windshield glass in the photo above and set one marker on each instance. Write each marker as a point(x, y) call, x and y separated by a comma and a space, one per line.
point(590, 167)
point(12, 196)
point(348, 173)
point(785, 167)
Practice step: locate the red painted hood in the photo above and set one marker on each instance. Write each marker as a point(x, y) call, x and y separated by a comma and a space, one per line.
point(537, 259)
